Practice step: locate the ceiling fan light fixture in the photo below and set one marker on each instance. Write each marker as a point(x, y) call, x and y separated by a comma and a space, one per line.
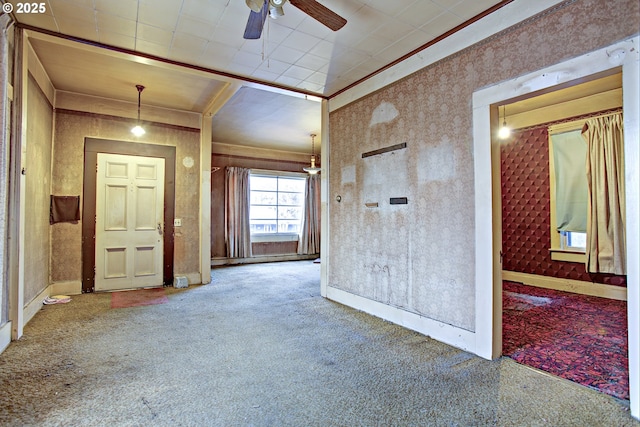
point(255, 5)
point(274, 12)
point(138, 130)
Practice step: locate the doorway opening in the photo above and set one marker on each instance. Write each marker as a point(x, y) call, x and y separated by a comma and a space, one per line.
point(557, 317)
point(488, 231)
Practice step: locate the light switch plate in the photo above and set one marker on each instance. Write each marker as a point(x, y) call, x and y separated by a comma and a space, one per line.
point(177, 222)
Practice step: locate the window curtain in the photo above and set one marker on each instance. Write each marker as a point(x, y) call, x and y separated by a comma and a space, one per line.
point(606, 246)
point(237, 227)
point(572, 190)
point(309, 242)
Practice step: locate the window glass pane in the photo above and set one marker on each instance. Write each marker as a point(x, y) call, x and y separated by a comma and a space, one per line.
point(289, 212)
point(269, 183)
point(264, 198)
point(291, 199)
point(263, 212)
point(288, 226)
point(291, 184)
point(577, 240)
point(263, 226)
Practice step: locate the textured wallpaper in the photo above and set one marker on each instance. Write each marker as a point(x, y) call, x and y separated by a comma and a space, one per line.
point(526, 222)
point(420, 256)
point(71, 128)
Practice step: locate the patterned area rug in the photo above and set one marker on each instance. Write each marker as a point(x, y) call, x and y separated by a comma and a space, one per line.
point(577, 337)
point(139, 297)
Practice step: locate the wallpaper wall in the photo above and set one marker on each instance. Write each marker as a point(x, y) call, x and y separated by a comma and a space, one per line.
point(37, 164)
point(526, 223)
point(420, 256)
point(71, 128)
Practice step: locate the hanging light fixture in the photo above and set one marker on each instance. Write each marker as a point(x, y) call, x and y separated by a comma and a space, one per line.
point(137, 129)
point(504, 132)
point(313, 169)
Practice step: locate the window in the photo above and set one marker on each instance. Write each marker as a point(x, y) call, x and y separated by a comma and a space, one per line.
point(277, 203)
point(569, 192)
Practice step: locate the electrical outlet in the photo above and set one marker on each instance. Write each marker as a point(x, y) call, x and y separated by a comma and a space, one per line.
point(177, 222)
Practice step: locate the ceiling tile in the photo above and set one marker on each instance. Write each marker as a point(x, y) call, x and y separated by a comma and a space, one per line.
point(390, 7)
point(422, 11)
point(202, 9)
point(117, 40)
point(150, 48)
point(274, 66)
point(442, 23)
point(194, 27)
point(124, 8)
point(165, 17)
point(188, 42)
point(312, 62)
point(298, 72)
point(114, 24)
point(83, 29)
point(301, 41)
point(286, 54)
point(154, 34)
point(70, 11)
point(40, 20)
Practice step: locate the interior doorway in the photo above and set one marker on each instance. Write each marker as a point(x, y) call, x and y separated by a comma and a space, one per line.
point(557, 317)
point(488, 231)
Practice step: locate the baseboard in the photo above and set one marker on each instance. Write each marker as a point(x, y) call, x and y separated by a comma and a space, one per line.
point(5, 336)
point(443, 332)
point(71, 287)
point(34, 306)
point(262, 258)
point(568, 285)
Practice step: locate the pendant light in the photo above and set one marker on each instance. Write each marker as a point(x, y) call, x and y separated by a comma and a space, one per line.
point(137, 129)
point(504, 131)
point(313, 169)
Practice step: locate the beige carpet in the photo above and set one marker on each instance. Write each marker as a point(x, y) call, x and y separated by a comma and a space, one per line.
point(260, 347)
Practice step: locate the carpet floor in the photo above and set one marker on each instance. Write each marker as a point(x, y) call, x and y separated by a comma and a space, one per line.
point(577, 337)
point(137, 298)
point(260, 347)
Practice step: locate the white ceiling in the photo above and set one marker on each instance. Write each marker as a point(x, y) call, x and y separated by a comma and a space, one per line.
point(187, 53)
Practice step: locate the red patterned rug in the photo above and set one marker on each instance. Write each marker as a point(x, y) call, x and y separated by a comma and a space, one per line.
point(577, 337)
point(139, 297)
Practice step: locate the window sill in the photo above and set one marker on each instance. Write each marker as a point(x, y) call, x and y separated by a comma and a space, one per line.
point(273, 237)
point(568, 256)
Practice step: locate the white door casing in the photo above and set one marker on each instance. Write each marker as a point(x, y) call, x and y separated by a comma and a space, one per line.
point(129, 222)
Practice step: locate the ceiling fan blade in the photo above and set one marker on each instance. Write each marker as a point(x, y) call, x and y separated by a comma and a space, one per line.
point(255, 23)
point(320, 13)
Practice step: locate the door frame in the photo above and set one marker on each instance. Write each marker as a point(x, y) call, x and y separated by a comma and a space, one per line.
point(488, 230)
point(93, 146)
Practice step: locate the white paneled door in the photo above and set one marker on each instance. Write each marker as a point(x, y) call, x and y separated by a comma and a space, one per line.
point(129, 222)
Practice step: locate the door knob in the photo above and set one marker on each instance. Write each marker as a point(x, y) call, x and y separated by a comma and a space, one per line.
point(159, 229)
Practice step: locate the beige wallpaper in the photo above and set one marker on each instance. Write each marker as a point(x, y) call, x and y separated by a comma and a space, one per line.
point(420, 256)
point(71, 128)
point(37, 164)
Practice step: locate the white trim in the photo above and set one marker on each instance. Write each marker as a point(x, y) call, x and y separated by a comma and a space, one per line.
point(568, 285)
point(443, 332)
point(256, 259)
point(491, 24)
point(5, 336)
point(71, 287)
point(274, 237)
point(34, 306)
point(269, 172)
point(325, 208)
point(580, 67)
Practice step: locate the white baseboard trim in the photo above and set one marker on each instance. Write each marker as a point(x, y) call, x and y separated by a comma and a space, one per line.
point(448, 334)
point(568, 285)
point(34, 306)
point(5, 336)
point(261, 258)
point(71, 287)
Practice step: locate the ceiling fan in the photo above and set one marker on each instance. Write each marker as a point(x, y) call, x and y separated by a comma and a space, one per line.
point(261, 8)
